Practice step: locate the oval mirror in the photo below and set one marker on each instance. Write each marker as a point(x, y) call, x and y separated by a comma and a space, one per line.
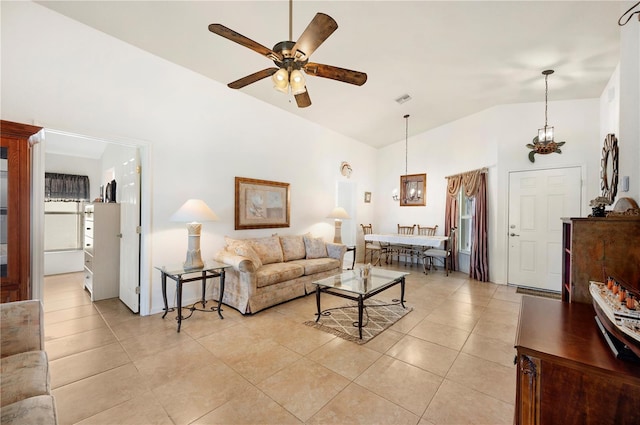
point(609, 168)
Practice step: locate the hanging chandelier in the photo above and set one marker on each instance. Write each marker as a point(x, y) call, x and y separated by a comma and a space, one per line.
point(412, 189)
point(544, 143)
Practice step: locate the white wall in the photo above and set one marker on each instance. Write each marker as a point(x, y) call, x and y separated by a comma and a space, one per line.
point(629, 98)
point(493, 138)
point(66, 76)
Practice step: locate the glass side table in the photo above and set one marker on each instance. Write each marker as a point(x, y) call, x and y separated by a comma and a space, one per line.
point(180, 275)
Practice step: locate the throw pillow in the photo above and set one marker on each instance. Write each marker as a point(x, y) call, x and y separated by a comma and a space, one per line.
point(292, 247)
point(315, 247)
point(229, 241)
point(244, 249)
point(268, 249)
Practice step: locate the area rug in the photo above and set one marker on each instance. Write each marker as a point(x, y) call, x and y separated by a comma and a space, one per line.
point(538, 293)
point(343, 321)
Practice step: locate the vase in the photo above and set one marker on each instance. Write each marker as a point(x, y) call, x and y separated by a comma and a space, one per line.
point(598, 211)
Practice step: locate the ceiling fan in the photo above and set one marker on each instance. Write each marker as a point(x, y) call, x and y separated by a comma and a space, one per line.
point(292, 56)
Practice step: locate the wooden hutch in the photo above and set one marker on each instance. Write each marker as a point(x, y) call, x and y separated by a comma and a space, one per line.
point(15, 211)
point(597, 247)
point(569, 369)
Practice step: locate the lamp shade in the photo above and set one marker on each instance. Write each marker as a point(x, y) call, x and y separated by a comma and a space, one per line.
point(194, 210)
point(339, 213)
point(281, 80)
point(297, 82)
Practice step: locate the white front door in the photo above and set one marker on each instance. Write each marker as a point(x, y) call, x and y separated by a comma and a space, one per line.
point(537, 201)
point(129, 198)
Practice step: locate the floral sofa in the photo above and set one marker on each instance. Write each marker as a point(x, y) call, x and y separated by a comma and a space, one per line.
point(24, 372)
point(271, 270)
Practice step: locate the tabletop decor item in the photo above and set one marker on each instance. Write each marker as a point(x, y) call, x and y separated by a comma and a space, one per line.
point(261, 204)
point(597, 206)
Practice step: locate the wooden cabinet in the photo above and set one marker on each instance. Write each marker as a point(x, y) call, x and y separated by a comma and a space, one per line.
point(102, 250)
point(566, 373)
point(596, 247)
point(15, 211)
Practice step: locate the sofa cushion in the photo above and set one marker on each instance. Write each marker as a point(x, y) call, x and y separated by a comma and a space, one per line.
point(315, 247)
point(21, 327)
point(268, 249)
point(40, 410)
point(293, 247)
point(317, 265)
point(24, 375)
point(245, 249)
point(270, 274)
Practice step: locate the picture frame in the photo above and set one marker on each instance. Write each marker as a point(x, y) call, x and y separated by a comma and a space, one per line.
point(367, 197)
point(413, 190)
point(261, 204)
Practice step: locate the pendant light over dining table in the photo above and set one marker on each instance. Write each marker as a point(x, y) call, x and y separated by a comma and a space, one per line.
point(412, 187)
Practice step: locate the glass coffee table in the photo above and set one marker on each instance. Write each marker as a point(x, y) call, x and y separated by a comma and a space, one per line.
point(351, 286)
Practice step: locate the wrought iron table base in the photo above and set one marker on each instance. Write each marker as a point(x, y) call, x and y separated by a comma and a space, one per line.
point(179, 281)
point(359, 299)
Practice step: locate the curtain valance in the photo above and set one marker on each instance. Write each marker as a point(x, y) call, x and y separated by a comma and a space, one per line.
point(470, 180)
point(65, 187)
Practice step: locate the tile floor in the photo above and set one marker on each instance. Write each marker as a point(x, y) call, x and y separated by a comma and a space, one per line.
point(449, 361)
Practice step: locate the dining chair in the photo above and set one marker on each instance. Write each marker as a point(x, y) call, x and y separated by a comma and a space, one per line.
point(443, 255)
point(424, 231)
point(404, 250)
point(379, 248)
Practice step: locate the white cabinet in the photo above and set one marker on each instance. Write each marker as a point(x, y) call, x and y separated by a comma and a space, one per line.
point(102, 250)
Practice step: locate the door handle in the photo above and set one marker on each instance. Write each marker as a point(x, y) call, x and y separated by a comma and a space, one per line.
point(513, 234)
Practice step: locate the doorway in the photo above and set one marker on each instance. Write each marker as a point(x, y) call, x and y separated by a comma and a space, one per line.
point(537, 201)
point(129, 157)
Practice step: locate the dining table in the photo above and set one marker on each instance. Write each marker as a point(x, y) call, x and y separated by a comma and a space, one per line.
point(418, 242)
point(413, 240)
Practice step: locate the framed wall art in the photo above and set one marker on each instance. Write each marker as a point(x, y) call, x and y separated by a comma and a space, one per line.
point(413, 190)
point(261, 204)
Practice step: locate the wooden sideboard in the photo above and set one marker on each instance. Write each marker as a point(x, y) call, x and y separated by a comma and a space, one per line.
point(596, 247)
point(566, 373)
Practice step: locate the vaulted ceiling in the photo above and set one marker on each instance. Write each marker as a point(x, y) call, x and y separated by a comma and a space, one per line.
point(454, 58)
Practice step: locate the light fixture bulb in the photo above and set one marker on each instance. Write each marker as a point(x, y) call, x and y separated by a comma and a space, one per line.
point(545, 134)
point(281, 80)
point(297, 82)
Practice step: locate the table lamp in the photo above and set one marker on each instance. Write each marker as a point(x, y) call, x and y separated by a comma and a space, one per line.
point(193, 212)
point(338, 214)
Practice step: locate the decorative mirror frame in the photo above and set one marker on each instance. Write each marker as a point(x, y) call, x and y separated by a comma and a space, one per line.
point(609, 184)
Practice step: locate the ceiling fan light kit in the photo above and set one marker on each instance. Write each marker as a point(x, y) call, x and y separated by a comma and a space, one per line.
point(291, 58)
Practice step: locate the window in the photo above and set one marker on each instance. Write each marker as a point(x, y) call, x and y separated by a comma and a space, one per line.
point(62, 225)
point(465, 226)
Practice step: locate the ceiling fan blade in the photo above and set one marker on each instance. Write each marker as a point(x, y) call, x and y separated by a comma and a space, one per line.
point(318, 30)
point(256, 76)
point(335, 73)
point(230, 34)
point(303, 100)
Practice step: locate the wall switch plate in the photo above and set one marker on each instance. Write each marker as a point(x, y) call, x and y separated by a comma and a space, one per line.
point(625, 183)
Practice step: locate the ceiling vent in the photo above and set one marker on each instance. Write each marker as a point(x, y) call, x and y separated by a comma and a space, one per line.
point(403, 99)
